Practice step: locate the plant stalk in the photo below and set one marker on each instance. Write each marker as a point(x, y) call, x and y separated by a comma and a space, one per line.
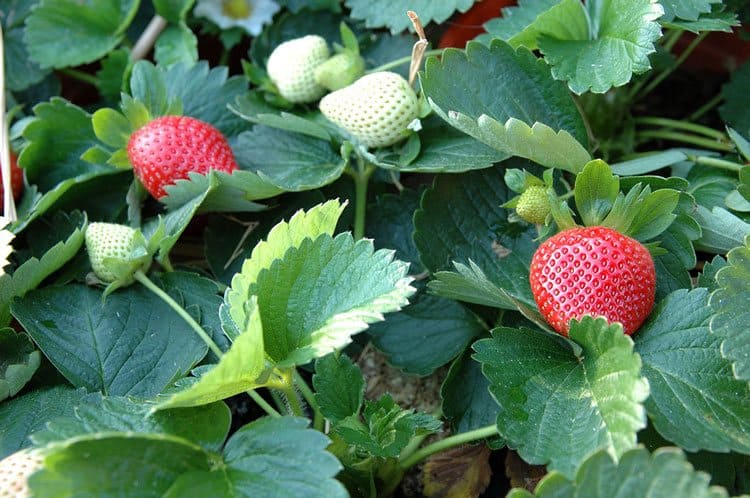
point(147, 39)
point(686, 138)
point(9, 206)
point(447, 443)
point(402, 61)
point(702, 110)
point(80, 76)
point(717, 163)
point(264, 404)
point(681, 125)
point(307, 393)
point(682, 58)
point(361, 182)
point(143, 279)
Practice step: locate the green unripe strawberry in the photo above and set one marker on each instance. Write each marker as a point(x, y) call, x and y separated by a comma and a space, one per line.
point(14, 472)
point(109, 241)
point(291, 67)
point(375, 109)
point(533, 205)
point(340, 70)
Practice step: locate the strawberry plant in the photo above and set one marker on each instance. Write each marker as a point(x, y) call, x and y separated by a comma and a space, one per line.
point(286, 248)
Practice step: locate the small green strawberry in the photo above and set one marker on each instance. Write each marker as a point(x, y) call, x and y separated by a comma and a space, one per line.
point(15, 470)
point(533, 205)
point(116, 252)
point(375, 109)
point(291, 67)
point(340, 70)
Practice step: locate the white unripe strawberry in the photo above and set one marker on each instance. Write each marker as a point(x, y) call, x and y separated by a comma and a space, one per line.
point(340, 70)
point(15, 470)
point(375, 109)
point(291, 67)
point(108, 240)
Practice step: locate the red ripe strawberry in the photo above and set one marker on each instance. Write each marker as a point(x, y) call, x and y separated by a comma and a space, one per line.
point(16, 179)
point(168, 148)
point(593, 271)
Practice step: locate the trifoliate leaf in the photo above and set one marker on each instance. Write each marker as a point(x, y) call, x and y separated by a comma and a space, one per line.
point(20, 71)
point(339, 387)
point(736, 100)
point(663, 474)
point(385, 428)
point(305, 316)
point(53, 153)
point(467, 402)
point(556, 406)
point(689, 10)
point(176, 44)
point(392, 15)
point(731, 322)
point(31, 411)
point(427, 334)
point(695, 400)
point(461, 222)
point(62, 33)
point(716, 20)
point(206, 426)
point(130, 344)
point(18, 362)
point(284, 236)
point(288, 160)
point(607, 54)
point(522, 25)
point(33, 271)
point(113, 464)
point(512, 84)
point(268, 458)
point(238, 370)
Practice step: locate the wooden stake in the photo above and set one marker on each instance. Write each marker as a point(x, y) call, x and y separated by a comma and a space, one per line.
point(9, 206)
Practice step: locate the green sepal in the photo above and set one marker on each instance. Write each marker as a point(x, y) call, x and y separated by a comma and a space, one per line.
point(349, 39)
point(560, 212)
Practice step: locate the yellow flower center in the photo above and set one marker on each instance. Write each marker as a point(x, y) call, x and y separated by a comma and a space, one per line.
point(237, 9)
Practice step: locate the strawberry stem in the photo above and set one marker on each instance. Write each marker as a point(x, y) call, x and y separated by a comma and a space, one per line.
point(687, 138)
point(681, 125)
point(309, 396)
point(143, 279)
point(264, 404)
point(361, 181)
point(449, 442)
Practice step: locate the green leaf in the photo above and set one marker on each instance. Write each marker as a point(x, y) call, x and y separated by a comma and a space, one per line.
point(173, 11)
point(390, 223)
point(31, 411)
point(663, 474)
point(268, 458)
point(689, 10)
point(218, 191)
point(176, 44)
point(285, 235)
point(427, 334)
point(290, 161)
point(339, 387)
point(386, 428)
point(18, 362)
point(721, 230)
point(716, 20)
point(695, 400)
point(117, 465)
point(737, 100)
point(306, 317)
point(548, 394)
point(53, 153)
point(515, 84)
point(524, 24)
point(467, 402)
point(206, 426)
point(445, 149)
point(596, 189)
point(131, 344)
point(623, 36)
point(742, 145)
point(111, 76)
point(707, 278)
point(461, 221)
point(62, 33)
point(393, 14)
point(289, 26)
point(649, 163)
point(538, 143)
point(253, 107)
point(238, 370)
point(731, 322)
point(111, 127)
point(20, 71)
point(33, 271)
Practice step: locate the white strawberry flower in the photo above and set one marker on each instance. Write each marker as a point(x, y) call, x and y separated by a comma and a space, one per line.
point(250, 15)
